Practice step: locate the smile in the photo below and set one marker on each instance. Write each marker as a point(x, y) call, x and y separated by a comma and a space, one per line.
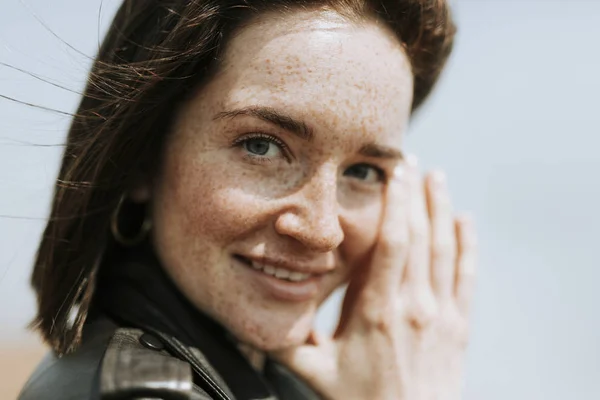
point(280, 282)
point(280, 273)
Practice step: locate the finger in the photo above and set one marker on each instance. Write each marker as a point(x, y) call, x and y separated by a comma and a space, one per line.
point(375, 296)
point(466, 262)
point(390, 253)
point(418, 274)
point(310, 362)
point(315, 338)
point(443, 235)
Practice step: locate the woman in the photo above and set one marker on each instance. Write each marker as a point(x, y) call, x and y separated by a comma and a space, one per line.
point(230, 165)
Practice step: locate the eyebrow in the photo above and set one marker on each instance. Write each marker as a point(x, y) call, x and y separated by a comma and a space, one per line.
point(303, 131)
point(378, 151)
point(268, 114)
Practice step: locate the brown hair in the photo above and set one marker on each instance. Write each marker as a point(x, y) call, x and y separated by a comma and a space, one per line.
point(153, 54)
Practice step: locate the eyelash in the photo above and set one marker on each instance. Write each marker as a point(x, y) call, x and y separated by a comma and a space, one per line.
point(381, 173)
point(239, 142)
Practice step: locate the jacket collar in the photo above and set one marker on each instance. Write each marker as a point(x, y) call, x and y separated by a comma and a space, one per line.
point(137, 292)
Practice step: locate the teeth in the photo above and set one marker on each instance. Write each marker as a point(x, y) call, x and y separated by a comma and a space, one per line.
point(298, 276)
point(269, 270)
point(281, 273)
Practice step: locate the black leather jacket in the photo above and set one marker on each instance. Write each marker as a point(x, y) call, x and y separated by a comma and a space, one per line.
point(143, 340)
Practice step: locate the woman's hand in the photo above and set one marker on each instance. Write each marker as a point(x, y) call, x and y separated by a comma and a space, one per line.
point(403, 330)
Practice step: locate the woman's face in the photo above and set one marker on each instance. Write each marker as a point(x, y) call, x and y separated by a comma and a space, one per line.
point(271, 189)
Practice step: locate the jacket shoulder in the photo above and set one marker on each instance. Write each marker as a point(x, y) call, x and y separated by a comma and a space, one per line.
point(113, 363)
point(136, 365)
point(71, 377)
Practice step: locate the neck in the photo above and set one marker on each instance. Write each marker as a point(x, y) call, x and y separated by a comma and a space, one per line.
point(255, 357)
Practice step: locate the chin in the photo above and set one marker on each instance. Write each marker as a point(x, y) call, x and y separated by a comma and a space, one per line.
point(272, 337)
point(270, 345)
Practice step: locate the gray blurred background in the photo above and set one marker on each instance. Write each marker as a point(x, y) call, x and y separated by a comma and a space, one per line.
point(514, 122)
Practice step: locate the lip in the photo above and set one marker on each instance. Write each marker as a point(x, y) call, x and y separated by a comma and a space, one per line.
point(280, 289)
point(292, 266)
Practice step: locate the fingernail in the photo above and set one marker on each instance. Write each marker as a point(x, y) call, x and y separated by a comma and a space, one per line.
point(399, 173)
point(412, 161)
point(466, 220)
point(439, 178)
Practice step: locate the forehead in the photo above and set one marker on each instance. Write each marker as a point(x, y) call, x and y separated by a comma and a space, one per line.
point(337, 75)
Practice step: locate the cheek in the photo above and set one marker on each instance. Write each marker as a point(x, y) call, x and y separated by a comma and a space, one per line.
point(361, 227)
point(200, 199)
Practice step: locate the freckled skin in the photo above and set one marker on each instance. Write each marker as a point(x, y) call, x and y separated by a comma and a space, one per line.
point(352, 84)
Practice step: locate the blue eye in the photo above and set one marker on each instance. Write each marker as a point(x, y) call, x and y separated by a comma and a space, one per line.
point(258, 146)
point(262, 147)
point(365, 172)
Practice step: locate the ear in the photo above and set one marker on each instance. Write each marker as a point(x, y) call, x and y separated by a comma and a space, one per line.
point(141, 191)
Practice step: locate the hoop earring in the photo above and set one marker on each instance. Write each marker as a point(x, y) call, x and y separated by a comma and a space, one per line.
point(122, 239)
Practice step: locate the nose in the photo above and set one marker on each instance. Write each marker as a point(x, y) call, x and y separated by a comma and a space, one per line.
point(311, 215)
